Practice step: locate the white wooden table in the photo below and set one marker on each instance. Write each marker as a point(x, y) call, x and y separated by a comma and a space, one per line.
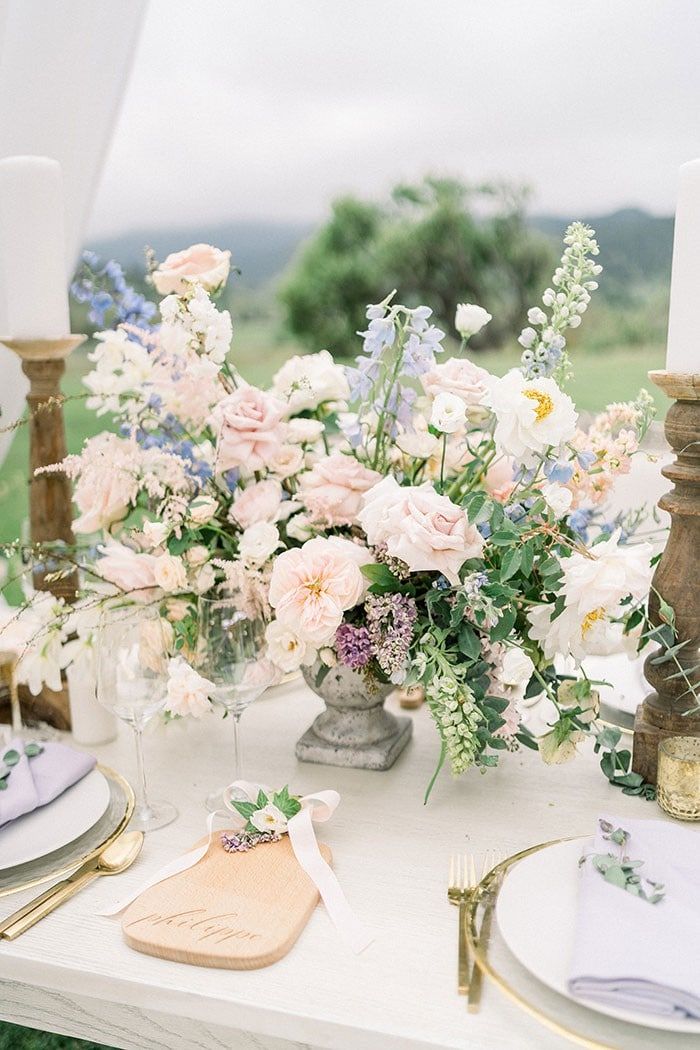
point(73, 974)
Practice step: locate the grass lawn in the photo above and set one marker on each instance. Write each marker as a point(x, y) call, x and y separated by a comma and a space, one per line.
point(12, 1037)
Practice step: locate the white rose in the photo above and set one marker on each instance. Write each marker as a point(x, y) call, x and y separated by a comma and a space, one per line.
point(169, 572)
point(516, 669)
point(470, 319)
point(269, 818)
point(196, 556)
point(531, 415)
point(304, 431)
point(287, 650)
point(558, 498)
point(449, 413)
point(287, 461)
point(419, 444)
point(202, 509)
point(155, 533)
point(259, 542)
point(188, 692)
point(307, 381)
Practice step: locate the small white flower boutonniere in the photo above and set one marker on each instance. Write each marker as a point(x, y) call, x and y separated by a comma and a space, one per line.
point(266, 820)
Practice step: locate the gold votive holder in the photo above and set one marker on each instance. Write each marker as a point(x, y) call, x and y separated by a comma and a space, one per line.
point(678, 784)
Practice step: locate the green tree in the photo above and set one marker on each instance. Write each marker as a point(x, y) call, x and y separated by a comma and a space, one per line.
point(440, 243)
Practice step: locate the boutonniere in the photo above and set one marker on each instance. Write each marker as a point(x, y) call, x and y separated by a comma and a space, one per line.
point(266, 819)
point(619, 869)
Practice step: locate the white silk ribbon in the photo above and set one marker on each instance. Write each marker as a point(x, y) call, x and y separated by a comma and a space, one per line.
point(315, 809)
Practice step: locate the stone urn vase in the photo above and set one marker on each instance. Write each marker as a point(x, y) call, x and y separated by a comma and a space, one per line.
point(355, 729)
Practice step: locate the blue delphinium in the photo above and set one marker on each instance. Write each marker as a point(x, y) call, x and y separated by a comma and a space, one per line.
point(109, 297)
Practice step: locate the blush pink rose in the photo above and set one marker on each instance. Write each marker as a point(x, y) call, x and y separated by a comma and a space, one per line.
point(332, 490)
point(498, 480)
point(458, 376)
point(250, 429)
point(424, 529)
point(201, 264)
point(126, 569)
point(256, 503)
point(312, 586)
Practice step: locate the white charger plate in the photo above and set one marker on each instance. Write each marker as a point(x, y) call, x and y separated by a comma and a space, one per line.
point(55, 825)
point(536, 915)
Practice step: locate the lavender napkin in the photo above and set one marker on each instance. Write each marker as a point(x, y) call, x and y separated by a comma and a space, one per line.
point(35, 781)
point(628, 952)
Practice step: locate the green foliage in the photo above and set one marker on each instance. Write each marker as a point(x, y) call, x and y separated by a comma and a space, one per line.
point(439, 243)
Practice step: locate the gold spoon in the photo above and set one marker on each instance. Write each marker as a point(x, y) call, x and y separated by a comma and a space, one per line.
point(116, 858)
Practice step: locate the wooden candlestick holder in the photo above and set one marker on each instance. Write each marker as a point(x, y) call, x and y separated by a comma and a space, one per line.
point(670, 709)
point(50, 506)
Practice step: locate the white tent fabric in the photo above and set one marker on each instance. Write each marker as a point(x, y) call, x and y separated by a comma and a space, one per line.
point(63, 69)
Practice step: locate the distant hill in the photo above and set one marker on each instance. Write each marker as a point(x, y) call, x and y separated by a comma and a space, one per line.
point(635, 246)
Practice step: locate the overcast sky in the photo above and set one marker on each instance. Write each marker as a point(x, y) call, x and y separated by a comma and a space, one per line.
point(264, 109)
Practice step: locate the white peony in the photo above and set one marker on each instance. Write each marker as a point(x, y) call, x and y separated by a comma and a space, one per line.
point(169, 572)
point(258, 543)
point(307, 381)
point(531, 415)
point(558, 498)
point(607, 574)
point(287, 649)
point(578, 635)
point(470, 319)
point(449, 413)
point(188, 692)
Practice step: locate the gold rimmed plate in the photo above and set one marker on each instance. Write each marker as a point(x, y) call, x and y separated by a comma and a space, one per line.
point(576, 1020)
point(62, 861)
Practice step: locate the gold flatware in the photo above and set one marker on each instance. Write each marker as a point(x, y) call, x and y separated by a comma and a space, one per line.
point(491, 892)
point(461, 886)
point(119, 856)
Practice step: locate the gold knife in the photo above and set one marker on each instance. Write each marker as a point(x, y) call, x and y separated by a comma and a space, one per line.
point(119, 856)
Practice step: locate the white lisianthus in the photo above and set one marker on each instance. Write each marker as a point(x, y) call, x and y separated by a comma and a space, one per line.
point(300, 527)
point(531, 415)
point(470, 319)
point(259, 542)
point(188, 692)
point(196, 556)
point(154, 533)
point(419, 444)
point(607, 574)
point(516, 671)
point(201, 510)
point(304, 431)
point(286, 649)
point(558, 498)
point(449, 413)
point(307, 381)
point(169, 572)
point(269, 818)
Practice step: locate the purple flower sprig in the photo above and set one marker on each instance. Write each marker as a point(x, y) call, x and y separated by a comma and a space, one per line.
point(390, 622)
point(353, 646)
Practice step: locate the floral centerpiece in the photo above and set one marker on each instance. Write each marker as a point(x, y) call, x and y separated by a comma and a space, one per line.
point(411, 519)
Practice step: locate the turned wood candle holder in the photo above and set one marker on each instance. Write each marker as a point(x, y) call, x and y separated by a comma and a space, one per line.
point(670, 709)
point(50, 507)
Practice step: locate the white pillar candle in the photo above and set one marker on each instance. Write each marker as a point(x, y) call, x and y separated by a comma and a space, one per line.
point(683, 350)
point(91, 723)
point(33, 268)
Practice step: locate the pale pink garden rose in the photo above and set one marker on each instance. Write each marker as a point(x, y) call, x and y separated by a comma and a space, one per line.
point(424, 529)
point(128, 570)
point(201, 264)
point(103, 498)
point(258, 502)
point(498, 480)
point(332, 490)
point(459, 376)
point(312, 586)
point(188, 692)
point(250, 428)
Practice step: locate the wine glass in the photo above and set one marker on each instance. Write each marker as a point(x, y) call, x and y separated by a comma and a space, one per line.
point(232, 654)
point(132, 676)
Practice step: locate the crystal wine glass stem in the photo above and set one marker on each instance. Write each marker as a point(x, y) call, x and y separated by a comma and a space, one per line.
point(140, 790)
point(237, 752)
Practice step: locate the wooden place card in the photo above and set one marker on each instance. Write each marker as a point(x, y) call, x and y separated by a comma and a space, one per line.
point(238, 911)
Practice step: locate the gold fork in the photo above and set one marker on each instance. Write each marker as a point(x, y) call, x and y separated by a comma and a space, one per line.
point(476, 983)
point(461, 886)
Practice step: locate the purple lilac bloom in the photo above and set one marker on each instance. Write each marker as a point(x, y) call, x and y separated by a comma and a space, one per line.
point(390, 619)
point(353, 646)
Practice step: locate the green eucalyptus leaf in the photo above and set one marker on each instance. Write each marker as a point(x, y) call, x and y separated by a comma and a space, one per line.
point(11, 757)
